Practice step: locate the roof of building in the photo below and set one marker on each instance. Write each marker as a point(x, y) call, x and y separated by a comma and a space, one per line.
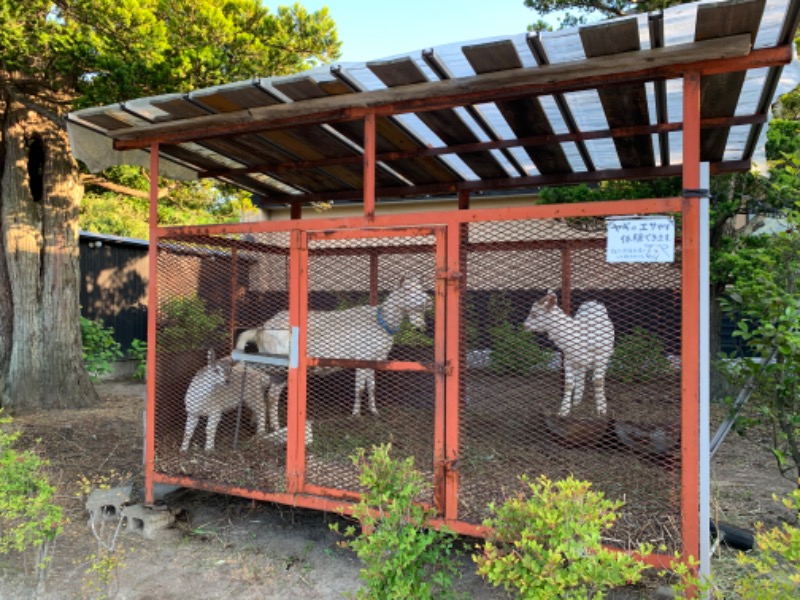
point(599, 102)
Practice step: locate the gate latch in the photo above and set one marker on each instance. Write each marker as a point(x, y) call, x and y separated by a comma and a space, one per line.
point(445, 368)
point(451, 277)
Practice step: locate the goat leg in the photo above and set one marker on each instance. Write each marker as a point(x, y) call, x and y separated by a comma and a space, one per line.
point(191, 424)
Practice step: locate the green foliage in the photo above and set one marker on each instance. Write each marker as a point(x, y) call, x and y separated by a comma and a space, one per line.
point(765, 298)
point(29, 516)
point(138, 352)
point(516, 351)
point(95, 52)
point(402, 557)
point(411, 336)
point(189, 202)
point(100, 348)
point(185, 324)
point(546, 544)
point(639, 356)
point(772, 572)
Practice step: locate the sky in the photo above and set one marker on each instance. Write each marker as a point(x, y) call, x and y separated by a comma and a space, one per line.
point(372, 29)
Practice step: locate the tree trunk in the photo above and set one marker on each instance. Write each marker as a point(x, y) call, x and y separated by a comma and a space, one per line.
point(39, 206)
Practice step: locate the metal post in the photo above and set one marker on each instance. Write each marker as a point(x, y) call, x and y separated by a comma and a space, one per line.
point(369, 166)
point(152, 310)
point(690, 339)
point(705, 370)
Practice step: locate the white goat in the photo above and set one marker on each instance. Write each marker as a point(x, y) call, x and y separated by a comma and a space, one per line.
point(358, 333)
point(586, 341)
point(219, 387)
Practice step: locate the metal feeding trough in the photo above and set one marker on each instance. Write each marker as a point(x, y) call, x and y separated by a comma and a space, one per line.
point(275, 364)
point(654, 440)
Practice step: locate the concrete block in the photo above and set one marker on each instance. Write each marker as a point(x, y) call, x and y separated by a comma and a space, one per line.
point(106, 505)
point(145, 521)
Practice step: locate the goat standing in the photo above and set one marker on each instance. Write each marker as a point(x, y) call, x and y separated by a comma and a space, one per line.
point(358, 333)
point(586, 341)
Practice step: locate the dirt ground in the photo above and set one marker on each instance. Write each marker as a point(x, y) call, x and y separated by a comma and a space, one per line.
point(225, 547)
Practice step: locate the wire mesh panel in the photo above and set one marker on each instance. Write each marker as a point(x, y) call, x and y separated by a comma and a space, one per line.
point(369, 299)
point(211, 419)
point(571, 368)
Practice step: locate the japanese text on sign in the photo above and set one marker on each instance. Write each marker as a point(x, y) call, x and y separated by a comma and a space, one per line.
point(640, 239)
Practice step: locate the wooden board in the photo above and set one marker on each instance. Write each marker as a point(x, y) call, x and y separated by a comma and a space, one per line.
point(623, 105)
point(525, 116)
point(719, 94)
point(444, 123)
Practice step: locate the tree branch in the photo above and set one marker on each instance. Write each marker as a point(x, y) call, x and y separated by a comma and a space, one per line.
point(88, 179)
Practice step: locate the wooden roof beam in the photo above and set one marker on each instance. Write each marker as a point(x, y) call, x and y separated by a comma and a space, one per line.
point(512, 183)
point(579, 137)
point(708, 57)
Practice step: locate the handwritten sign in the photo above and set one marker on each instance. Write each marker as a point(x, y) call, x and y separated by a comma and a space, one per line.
point(640, 239)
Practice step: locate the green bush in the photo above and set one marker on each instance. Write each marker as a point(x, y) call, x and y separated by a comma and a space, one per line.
point(402, 557)
point(100, 348)
point(29, 517)
point(772, 572)
point(639, 356)
point(546, 544)
point(408, 335)
point(138, 352)
point(185, 324)
point(516, 351)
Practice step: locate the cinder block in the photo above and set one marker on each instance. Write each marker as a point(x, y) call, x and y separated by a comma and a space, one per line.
point(146, 521)
point(106, 505)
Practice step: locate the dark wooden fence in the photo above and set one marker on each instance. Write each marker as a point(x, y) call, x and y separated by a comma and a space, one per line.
point(114, 284)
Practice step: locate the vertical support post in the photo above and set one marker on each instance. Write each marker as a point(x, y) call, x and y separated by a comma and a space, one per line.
point(234, 292)
point(373, 278)
point(463, 229)
point(295, 211)
point(369, 166)
point(296, 406)
point(456, 358)
point(690, 339)
point(440, 373)
point(704, 379)
point(566, 279)
point(152, 311)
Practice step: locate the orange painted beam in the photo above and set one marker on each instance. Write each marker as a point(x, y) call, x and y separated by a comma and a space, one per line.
point(690, 334)
point(423, 219)
point(369, 165)
point(152, 311)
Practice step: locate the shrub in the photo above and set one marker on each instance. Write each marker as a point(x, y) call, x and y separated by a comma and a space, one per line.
point(402, 557)
point(773, 571)
point(185, 324)
point(516, 351)
point(29, 517)
point(100, 348)
point(639, 356)
point(546, 544)
point(138, 352)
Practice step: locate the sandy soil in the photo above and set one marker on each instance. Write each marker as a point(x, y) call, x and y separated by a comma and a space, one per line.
point(224, 547)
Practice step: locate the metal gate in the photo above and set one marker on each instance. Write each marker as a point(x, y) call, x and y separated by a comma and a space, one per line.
point(468, 377)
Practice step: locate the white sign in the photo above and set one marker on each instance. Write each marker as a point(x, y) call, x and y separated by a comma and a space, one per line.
point(640, 239)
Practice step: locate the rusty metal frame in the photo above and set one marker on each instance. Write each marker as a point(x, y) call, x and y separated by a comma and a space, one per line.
point(450, 265)
point(449, 229)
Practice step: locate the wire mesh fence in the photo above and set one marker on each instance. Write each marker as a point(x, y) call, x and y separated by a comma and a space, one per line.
point(569, 364)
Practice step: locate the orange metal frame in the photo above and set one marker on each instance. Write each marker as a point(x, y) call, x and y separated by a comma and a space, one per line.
point(448, 229)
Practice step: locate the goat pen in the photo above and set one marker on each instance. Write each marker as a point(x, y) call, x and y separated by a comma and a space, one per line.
point(473, 395)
